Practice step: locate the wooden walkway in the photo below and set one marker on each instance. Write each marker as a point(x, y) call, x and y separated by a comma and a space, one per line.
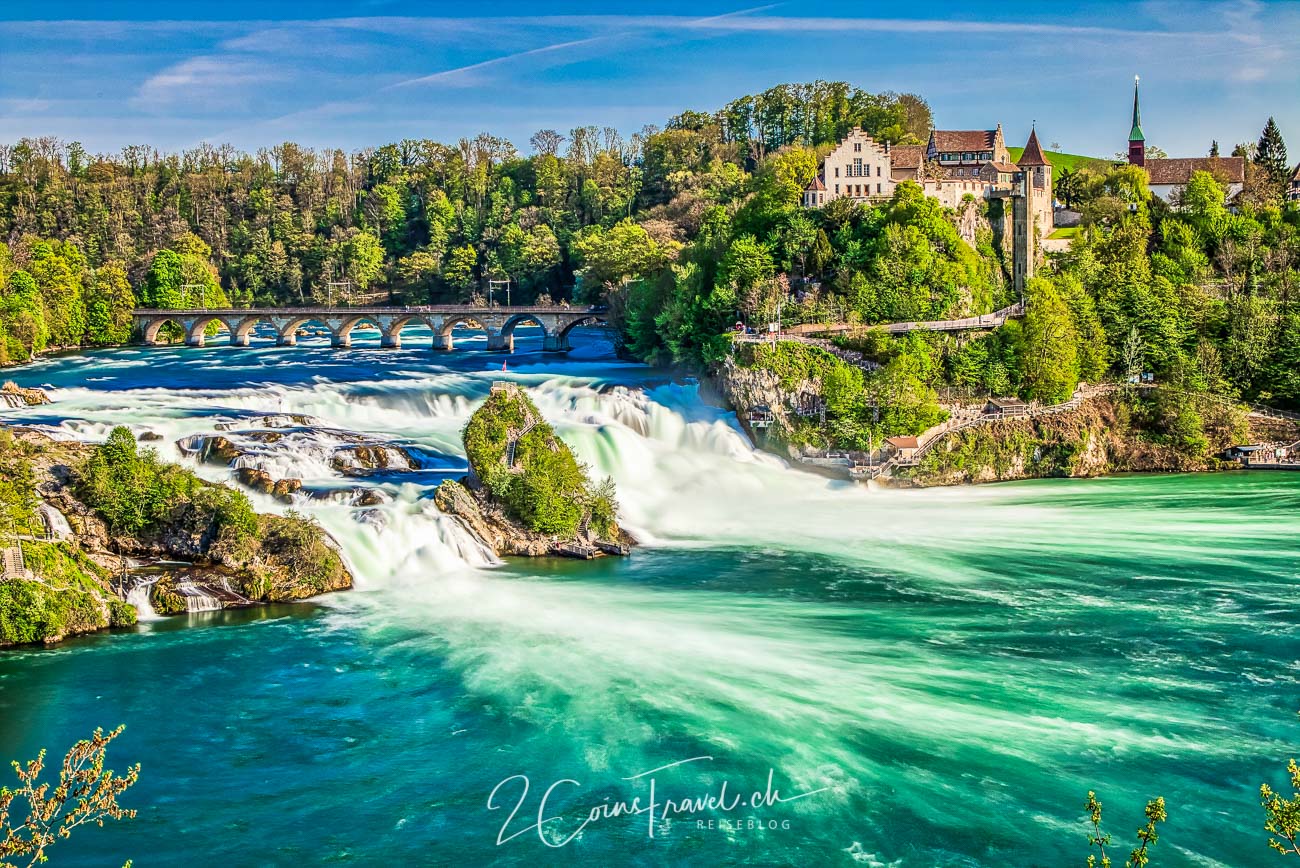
point(970, 323)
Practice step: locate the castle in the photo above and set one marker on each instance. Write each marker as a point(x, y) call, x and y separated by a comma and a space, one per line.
point(953, 165)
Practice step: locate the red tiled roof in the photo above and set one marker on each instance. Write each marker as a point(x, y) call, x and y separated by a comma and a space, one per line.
point(906, 156)
point(903, 442)
point(1178, 170)
point(1033, 155)
point(1008, 168)
point(815, 186)
point(1296, 175)
point(948, 141)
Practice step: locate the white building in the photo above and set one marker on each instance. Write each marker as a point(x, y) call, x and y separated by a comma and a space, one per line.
point(858, 169)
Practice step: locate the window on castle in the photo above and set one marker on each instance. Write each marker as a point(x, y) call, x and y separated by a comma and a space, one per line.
point(857, 167)
point(837, 171)
point(877, 171)
point(857, 146)
point(877, 188)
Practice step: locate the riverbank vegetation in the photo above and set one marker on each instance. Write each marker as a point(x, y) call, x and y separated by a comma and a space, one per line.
point(122, 500)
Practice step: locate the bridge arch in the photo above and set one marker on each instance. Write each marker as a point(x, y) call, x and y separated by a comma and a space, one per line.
point(589, 319)
point(343, 332)
point(443, 337)
point(199, 325)
point(559, 342)
point(392, 333)
point(289, 331)
point(154, 327)
point(243, 330)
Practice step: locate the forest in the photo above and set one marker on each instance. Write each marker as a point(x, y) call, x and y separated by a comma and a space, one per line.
point(682, 231)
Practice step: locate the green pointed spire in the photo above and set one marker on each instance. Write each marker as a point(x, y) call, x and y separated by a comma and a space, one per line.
point(1135, 134)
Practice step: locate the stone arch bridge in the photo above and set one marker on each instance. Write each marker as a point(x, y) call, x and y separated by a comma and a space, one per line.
point(498, 322)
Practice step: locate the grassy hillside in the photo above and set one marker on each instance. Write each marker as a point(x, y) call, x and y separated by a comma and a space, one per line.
point(1061, 162)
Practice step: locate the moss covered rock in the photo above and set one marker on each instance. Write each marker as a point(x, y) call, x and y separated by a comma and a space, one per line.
point(529, 470)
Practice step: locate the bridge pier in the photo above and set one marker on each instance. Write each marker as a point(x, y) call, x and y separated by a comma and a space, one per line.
point(391, 342)
point(555, 343)
point(340, 342)
point(238, 340)
point(500, 343)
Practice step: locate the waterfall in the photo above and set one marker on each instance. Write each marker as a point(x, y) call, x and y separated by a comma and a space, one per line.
point(55, 522)
point(196, 598)
point(138, 596)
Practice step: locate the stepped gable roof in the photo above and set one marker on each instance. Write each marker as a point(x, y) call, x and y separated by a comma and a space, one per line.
point(1033, 155)
point(906, 156)
point(1178, 170)
point(949, 141)
point(816, 185)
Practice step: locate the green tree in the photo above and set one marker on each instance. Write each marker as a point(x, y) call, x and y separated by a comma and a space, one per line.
point(624, 252)
point(109, 306)
point(459, 268)
point(1270, 157)
point(1051, 361)
point(363, 258)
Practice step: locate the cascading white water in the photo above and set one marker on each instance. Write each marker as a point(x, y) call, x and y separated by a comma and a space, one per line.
point(138, 596)
point(197, 599)
point(55, 522)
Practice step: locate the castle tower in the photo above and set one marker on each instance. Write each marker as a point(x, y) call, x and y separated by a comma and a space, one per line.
point(1137, 143)
point(1031, 210)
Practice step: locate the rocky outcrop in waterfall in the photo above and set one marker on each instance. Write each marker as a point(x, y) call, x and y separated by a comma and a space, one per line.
point(527, 495)
point(119, 508)
point(488, 522)
point(15, 396)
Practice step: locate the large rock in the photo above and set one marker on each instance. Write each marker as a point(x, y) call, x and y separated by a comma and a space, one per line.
point(488, 522)
point(363, 459)
point(15, 395)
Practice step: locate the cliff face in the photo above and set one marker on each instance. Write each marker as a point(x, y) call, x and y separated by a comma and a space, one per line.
point(488, 522)
point(1104, 435)
point(746, 387)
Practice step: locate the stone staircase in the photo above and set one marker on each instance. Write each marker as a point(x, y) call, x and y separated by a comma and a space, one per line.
point(12, 565)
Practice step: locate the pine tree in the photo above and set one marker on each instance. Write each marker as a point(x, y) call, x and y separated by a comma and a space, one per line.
point(1270, 154)
point(1214, 148)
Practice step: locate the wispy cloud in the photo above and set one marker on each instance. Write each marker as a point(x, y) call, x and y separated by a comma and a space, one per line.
point(214, 80)
point(461, 73)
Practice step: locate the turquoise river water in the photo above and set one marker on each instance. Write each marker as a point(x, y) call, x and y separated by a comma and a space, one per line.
point(868, 677)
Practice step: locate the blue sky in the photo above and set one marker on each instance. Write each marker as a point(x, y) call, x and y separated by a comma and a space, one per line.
point(367, 72)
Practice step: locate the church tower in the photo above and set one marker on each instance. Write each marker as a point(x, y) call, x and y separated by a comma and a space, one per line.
point(1137, 143)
